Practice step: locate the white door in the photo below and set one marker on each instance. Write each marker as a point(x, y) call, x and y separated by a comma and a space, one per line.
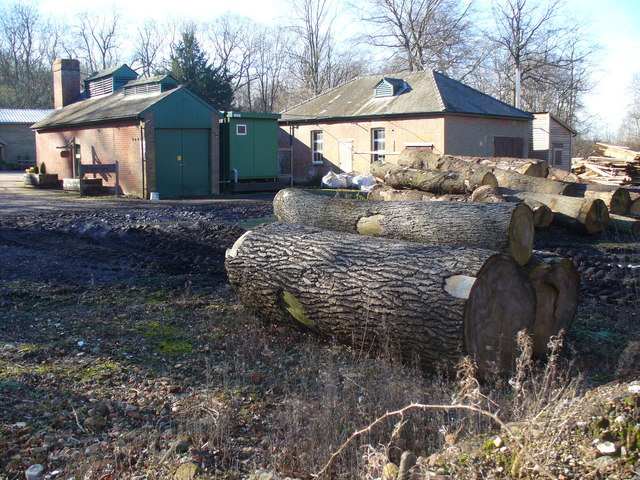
point(345, 152)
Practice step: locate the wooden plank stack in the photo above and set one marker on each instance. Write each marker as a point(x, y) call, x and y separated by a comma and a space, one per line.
point(609, 165)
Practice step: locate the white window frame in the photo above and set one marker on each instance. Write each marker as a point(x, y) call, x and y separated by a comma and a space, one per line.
point(239, 127)
point(376, 143)
point(317, 147)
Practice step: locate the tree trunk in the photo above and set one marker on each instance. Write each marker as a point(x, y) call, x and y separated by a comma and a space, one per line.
point(504, 227)
point(617, 199)
point(557, 286)
point(389, 194)
point(511, 180)
point(634, 207)
point(486, 194)
point(585, 215)
point(523, 166)
point(431, 181)
point(561, 175)
point(622, 224)
point(430, 304)
point(542, 215)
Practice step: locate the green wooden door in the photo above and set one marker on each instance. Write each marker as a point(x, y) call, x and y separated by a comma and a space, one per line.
point(195, 162)
point(182, 162)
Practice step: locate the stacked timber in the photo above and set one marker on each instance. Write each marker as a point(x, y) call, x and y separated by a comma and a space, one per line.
point(429, 304)
point(506, 227)
point(609, 165)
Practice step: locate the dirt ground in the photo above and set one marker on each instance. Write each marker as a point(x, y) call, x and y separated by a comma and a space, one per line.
point(122, 356)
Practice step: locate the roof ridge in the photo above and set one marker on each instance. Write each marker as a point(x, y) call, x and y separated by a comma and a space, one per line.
point(435, 83)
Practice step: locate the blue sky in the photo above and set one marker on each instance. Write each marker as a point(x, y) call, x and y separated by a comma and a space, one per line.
point(614, 26)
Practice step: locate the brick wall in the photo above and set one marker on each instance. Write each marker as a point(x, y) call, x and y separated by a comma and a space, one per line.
point(397, 132)
point(20, 140)
point(466, 135)
point(103, 143)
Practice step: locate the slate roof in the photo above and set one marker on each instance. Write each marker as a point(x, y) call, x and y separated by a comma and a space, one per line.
point(115, 106)
point(429, 92)
point(123, 70)
point(155, 79)
point(29, 116)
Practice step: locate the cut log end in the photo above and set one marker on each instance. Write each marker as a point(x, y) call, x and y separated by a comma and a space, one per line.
point(617, 200)
point(557, 287)
point(489, 179)
point(496, 311)
point(521, 234)
point(597, 217)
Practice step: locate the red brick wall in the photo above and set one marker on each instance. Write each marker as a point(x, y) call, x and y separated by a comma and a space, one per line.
point(398, 133)
point(103, 143)
point(468, 135)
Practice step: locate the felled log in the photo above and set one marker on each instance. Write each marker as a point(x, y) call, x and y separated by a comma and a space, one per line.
point(585, 215)
point(617, 200)
point(487, 193)
point(623, 224)
point(430, 304)
point(524, 166)
point(390, 194)
point(431, 181)
point(557, 286)
point(502, 227)
point(511, 180)
point(634, 207)
point(561, 175)
point(542, 215)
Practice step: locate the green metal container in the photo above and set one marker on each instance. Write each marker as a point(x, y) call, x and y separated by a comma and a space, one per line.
point(249, 145)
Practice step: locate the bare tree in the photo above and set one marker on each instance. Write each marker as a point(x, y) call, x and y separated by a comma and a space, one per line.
point(28, 46)
point(629, 133)
point(425, 34)
point(98, 40)
point(151, 47)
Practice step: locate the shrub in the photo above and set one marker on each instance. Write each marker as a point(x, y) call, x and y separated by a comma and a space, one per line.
point(43, 168)
point(36, 170)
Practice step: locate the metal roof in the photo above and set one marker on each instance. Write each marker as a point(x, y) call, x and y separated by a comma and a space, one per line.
point(428, 92)
point(15, 115)
point(115, 106)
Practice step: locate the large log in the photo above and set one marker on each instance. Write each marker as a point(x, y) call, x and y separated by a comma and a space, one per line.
point(622, 224)
point(561, 175)
point(542, 215)
point(430, 304)
point(585, 215)
point(390, 194)
point(430, 180)
point(504, 227)
point(617, 200)
point(634, 207)
point(557, 286)
point(523, 166)
point(512, 180)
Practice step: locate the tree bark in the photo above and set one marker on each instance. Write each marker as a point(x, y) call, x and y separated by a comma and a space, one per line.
point(617, 200)
point(523, 166)
point(430, 304)
point(504, 227)
point(542, 215)
point(512, 180)
point(557, 286)
point(585, 215)
point(622, 224)
point(389, 194)
point(431, 181)
point(634, 207)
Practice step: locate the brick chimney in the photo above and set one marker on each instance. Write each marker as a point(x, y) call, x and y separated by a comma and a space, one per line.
point(66, 82)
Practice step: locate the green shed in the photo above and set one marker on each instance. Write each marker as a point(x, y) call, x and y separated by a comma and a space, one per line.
point(249, 151)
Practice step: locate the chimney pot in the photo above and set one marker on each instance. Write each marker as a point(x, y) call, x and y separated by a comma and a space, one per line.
point(66, 82)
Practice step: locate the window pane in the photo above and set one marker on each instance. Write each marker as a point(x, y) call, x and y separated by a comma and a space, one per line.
point(377, 144)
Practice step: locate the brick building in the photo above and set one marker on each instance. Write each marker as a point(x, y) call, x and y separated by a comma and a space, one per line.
point(17, 141)
point(375, 118)
point(164, 137)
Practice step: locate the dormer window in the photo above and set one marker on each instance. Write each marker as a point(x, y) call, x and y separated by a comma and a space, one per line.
point(390, 87)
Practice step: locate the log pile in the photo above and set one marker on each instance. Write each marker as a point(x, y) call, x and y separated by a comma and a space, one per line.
point(609, 165)
point(438, 266)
